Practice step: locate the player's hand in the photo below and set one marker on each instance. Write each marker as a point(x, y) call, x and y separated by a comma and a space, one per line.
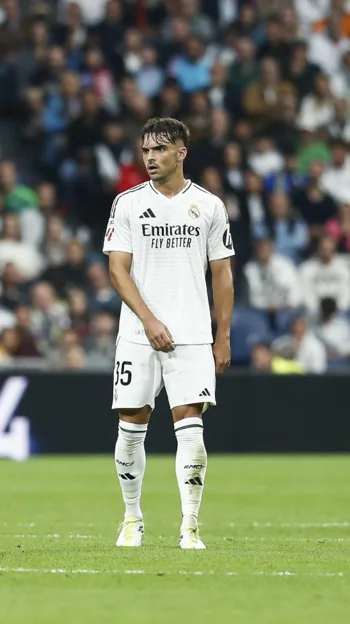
point(159, 335)
point(222, 355)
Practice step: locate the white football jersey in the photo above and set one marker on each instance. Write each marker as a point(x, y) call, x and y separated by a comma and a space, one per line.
point(171, 241)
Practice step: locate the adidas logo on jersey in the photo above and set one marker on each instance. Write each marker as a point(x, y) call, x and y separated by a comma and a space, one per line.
point(205, 392)
point(148, 214)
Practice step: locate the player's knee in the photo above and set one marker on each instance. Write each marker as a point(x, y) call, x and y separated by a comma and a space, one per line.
point(139, 416)
point(187, 411)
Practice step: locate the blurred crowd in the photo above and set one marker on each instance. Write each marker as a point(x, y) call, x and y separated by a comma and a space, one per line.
point(264, 86)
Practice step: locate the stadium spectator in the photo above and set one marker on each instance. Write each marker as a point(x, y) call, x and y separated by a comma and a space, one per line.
point(74, 358)
point(339, 128)
point(264, 158)
point(245, 69)
point(262, 98)
point(299, 70)
point(283, 127)
point(100, 345)
point(78, 312)
point(288, 179)
point(275, 44)
point(101, 295)
point(340, 81)
point(48, 316)
point(272, 280)
point(64, 342)
point(47, 198)
point(25, 257)
point(303, 346)
point(55, 241)
point(290, 25)
point(131, 170)
point(314, 205)
point(169, 102)
point(111, 29)
point(248, 23)
point(150, 76)
point(264, 360)
point(9, 345)
point(333, 330)
point(33, 53)
point(97, 76)
point(209, 152)
point(72, 272)
point(72, 31)
point(336, 178)
point(326, 48)
point(338, 6)
point(220, 93)
point(28, 347)
point(92, 12)
point(48, 74)
point(12, 287)
point(339, 228)
point(234, 167)
point(325, 275)
point(200, 24)
point(7, 318)
point(288, 231)
point(316, 109)
point(191, 68)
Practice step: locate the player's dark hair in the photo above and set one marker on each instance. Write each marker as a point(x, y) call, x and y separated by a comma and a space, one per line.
point(166, 129)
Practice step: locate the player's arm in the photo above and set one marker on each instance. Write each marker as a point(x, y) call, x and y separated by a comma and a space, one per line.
point(220, 250)
point(223, 292)
point(118, 246)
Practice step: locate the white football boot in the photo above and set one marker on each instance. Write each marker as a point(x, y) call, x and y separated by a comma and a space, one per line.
point(131, 533)
point(189, 539)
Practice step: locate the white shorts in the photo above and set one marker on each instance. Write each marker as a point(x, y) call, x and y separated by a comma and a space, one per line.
point(140, 372)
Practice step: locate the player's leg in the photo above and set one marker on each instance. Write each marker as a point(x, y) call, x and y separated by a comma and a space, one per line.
point(137, 380)
point(189, 378)
point(130, 461)
point(191, 466)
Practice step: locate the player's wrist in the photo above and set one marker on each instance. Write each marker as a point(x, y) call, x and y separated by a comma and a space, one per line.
point(222, 336)
point(146, 317)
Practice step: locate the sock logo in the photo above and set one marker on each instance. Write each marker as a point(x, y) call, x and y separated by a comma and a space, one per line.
point(194, 481)
point(195, 466)
point(127, 476)
point(128, 464)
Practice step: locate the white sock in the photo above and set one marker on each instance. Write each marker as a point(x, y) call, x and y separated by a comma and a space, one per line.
point(130, 461)
point(191, 466)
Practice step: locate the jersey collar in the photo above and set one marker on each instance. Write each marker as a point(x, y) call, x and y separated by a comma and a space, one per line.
point(184, 190)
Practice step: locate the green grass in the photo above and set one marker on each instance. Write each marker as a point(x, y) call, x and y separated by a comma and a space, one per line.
point(263, 517)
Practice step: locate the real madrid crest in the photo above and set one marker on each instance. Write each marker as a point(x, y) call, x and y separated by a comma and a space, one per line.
point(194, 212)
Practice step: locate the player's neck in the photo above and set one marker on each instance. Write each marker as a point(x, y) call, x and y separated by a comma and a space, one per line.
point(171, 187)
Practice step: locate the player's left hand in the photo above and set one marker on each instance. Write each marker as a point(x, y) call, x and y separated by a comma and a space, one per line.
point(222, 355)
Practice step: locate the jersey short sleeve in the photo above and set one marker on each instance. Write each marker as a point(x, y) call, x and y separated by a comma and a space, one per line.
point(118, 231)
point(219, 239)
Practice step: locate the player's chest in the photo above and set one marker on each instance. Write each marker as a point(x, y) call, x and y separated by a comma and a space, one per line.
point(170, 223)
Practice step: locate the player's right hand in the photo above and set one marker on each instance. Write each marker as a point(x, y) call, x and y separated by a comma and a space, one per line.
point(159, 335)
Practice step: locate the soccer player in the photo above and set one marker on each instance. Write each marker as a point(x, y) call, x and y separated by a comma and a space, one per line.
point(160, 236)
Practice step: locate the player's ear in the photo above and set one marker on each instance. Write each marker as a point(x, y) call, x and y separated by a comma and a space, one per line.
point(182, 153)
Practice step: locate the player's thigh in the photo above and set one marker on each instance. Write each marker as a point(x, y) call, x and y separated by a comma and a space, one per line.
point(189, 375)
point(137, 377)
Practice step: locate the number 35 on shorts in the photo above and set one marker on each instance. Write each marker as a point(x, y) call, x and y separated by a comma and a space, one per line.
point(122, 375)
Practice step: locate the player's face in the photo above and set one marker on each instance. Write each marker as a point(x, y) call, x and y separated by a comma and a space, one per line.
point(162, 158)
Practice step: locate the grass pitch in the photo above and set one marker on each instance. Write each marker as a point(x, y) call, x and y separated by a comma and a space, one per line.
point(277, 531)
